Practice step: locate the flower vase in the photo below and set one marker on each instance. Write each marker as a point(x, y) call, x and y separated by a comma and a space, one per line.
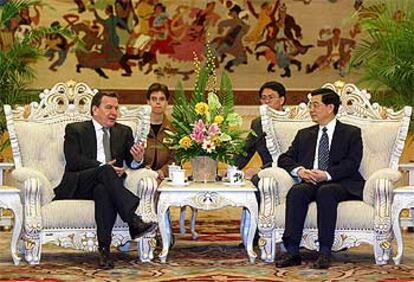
point(204, 169)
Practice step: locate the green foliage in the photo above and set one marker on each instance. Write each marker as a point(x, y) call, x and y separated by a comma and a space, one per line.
point(18, 55)
point(385, 56)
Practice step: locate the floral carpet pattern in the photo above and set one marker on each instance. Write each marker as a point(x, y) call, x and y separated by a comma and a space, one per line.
point(215, 257)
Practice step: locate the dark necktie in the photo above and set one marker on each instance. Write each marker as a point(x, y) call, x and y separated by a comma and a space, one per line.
point(323, 150)
point(106, 144)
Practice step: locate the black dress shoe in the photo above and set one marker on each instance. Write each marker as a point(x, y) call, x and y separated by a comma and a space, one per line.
point(105, 262)
point(137, 228)
point(323, 262)
point(288, 260)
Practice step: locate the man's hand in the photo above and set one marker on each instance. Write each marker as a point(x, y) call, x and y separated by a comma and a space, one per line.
point(161, 175)
point(137, 151)
point(250, 172)
point(119, 170)
point(307, 175)
point(319, 175)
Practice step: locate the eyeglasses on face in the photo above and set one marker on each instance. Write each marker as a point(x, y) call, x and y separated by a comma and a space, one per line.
point(268, 98)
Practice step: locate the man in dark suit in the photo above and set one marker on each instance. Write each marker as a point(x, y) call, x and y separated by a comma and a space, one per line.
point(273, 94)
point(95, 152)
point(325, 158)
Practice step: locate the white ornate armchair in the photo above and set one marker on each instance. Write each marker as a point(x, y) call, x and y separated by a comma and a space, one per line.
point(37, 144)
point(368, 221)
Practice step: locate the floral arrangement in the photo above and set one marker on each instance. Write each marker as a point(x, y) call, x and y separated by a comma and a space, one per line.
point(206, 126)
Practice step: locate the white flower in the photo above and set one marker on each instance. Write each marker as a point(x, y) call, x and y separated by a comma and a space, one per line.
point(208, 145)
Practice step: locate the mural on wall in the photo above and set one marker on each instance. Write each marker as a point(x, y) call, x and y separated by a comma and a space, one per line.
point(131, 43)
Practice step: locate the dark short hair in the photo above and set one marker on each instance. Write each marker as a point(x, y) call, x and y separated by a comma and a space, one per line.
point(97, 99)
point(275, 86)
point(155, 87)
point(328, 97)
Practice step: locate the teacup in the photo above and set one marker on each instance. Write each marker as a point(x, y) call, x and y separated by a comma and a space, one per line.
point(235, 175)
point(172, 168)
point(178, 177)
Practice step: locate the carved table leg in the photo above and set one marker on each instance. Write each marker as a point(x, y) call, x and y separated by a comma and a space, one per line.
point(10, 199)
point(17, 230)
point(194, 212)
point(397, 232)
point(164, 226)
point(182, 220)
point(252, 211)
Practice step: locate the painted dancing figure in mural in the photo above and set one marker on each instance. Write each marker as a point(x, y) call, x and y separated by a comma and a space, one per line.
point(22, 23)
point(159, 31)
point(277, 48)
point(264, 17)
point(188, 29)
point(138, 48)
point(56, 43)
point(87, 57)
point(231, 42)
point(124, 10)
point(338, 52)
point(292, 30)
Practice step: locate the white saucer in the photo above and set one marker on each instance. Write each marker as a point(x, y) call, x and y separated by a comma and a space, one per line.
point(178, 184)
point(234, 184)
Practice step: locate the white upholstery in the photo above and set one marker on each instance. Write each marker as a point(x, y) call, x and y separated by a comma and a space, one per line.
point(78, 214)
point(360, 217)
point(37, 144)
point(368, 221)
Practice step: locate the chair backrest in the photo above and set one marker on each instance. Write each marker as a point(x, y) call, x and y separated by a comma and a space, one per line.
point(37, 131)
point(383, 130)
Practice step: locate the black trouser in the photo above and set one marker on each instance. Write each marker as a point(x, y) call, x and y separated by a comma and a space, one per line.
point(327, 196)
point(103, 185)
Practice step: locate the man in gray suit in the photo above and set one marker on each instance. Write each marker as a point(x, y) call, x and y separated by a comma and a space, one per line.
point(273, 94)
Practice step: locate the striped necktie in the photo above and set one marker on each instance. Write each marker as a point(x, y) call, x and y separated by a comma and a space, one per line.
point(323, 150)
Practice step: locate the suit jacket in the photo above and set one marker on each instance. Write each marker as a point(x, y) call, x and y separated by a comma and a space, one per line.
point(155, 145)
point(255, 144)
point(80, 149)
point(344, 156)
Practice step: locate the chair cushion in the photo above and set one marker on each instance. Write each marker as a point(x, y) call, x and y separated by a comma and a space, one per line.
point(71, 214)
point(351, 215)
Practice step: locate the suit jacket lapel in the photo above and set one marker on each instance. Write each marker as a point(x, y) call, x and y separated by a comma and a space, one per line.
point(336, 139)
point(91, 137)
point(312, 146)
point(113, 133)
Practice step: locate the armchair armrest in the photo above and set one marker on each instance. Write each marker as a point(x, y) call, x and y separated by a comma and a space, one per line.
point(378, 182)
point(143, 183)
point(283, 182)
point(274, 185)
point(22, 174)
point(378, 192)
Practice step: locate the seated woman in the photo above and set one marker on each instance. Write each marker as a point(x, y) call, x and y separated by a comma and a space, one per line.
point(157, 154)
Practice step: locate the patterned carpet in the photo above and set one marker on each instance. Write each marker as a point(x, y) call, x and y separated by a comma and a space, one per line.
point(215, 256)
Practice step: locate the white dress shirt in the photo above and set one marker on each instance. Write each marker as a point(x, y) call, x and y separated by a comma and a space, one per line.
point(330, 131)
point(100, 153)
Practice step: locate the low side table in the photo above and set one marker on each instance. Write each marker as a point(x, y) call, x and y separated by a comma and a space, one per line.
point(209, 196)
point(10, 199)
point(5, 221)
point(403, 199)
